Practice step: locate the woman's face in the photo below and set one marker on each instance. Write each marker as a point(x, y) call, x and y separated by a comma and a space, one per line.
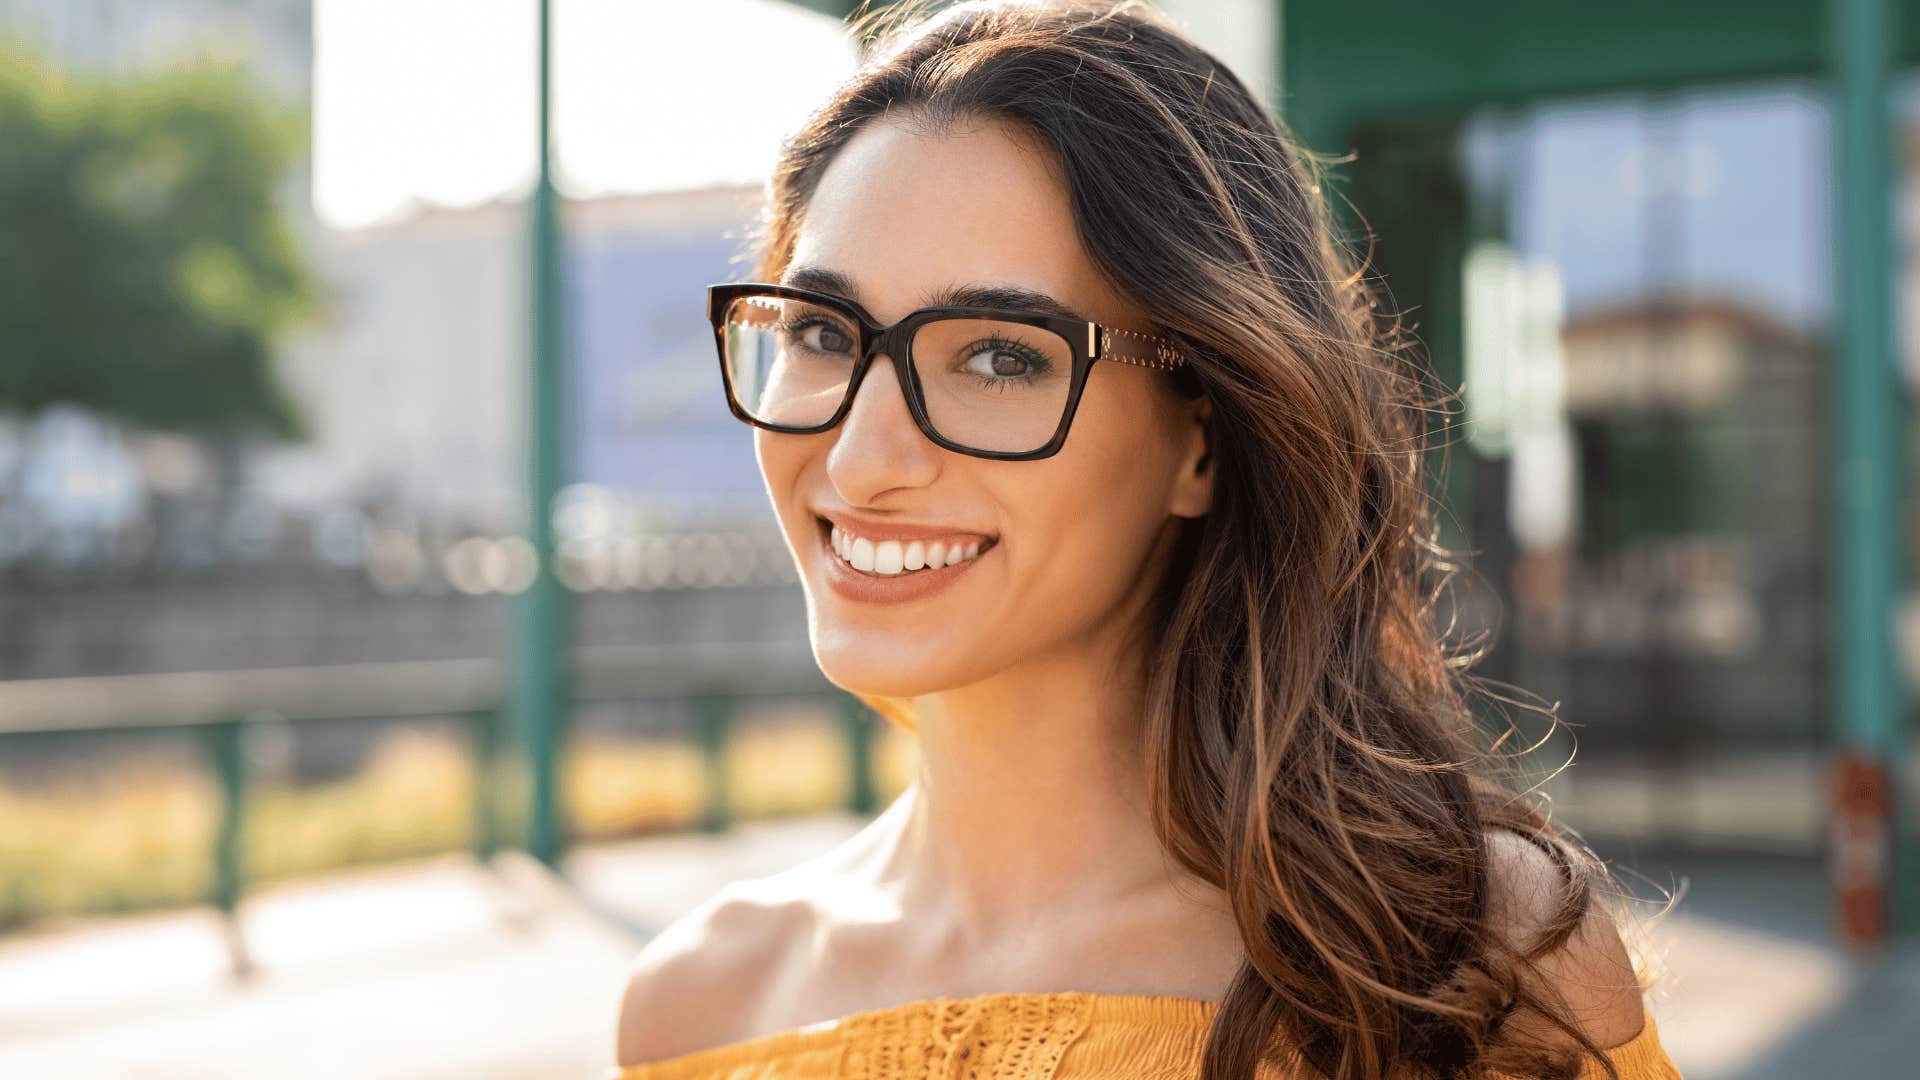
point(1064, 543)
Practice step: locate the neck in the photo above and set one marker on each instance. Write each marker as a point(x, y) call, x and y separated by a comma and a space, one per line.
point(1030, 800)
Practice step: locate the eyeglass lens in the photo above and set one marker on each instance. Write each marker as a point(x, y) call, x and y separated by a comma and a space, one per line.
point(988, 385)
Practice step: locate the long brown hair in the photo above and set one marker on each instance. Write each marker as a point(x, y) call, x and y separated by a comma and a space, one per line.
point(1310, 746)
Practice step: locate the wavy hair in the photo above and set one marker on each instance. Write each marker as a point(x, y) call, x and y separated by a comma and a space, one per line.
point(1310, 747)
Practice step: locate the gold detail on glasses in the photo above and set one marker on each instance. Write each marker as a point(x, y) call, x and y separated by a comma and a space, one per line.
point(1145, 350)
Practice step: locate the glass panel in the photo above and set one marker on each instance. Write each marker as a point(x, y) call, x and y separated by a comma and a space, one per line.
point(1646, 375)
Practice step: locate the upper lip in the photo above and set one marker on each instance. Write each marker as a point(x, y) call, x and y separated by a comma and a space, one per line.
point(875, 530)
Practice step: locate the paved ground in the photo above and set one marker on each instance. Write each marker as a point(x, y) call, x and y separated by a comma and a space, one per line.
point(441, 969)
point(425, 970)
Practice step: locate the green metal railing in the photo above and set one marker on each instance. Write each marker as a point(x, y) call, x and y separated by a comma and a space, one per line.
point(715, 708)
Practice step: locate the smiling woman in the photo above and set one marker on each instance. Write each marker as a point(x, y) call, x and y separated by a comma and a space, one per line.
point(1102, 476)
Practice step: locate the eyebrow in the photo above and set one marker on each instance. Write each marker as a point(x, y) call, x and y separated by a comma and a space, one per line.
point(822, 279)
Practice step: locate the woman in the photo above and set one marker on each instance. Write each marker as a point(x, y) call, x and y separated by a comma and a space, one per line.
point(1101, 475)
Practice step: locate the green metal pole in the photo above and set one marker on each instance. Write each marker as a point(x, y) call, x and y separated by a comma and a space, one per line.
point(858, 724)
point(226, 745)
point(483, 731)
point(540, 624)
point(713, 724)
point(1868, 703)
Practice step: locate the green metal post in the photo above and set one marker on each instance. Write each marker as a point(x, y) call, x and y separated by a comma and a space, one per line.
point(540, 624)
point(1868, 703)
point(483, 731)
point(713, 721)
point(859, 727)
point(858, 723)
point(226, 746)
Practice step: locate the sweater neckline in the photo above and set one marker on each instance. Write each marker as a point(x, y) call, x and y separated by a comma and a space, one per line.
point(1642, 1055)
point(1154, 1010)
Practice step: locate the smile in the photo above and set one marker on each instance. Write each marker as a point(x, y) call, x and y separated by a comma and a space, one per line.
point(887, 558)
point(913, 563)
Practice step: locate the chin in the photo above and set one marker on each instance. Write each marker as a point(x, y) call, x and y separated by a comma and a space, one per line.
point(858, 664)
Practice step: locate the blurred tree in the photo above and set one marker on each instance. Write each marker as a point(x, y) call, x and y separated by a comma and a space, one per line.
point(146, 269)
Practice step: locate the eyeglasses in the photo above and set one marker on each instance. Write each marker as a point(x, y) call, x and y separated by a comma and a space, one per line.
point(991, 382)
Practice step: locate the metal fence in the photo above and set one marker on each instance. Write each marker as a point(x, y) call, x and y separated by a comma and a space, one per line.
point(225, 707)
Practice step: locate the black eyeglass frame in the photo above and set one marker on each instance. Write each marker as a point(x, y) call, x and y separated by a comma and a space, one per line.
point(1090, 342)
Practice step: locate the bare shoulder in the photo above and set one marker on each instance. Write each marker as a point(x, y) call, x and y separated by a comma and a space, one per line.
point(1591, 970)
point(721, 972)
point(697, 982)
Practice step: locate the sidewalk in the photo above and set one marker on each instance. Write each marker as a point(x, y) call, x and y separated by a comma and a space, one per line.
point(442, 969)
point(435, 969)
point(1757, 988)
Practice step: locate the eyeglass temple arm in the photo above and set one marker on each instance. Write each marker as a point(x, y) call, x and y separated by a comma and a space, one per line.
point(1145, 350)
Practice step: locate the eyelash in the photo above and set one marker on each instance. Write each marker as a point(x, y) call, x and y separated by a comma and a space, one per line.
point(796, 324)
point(1037, 363)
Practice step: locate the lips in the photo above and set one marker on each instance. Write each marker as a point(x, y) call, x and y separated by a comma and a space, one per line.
point(888, 557)
point(877, 530)
point(900, 585)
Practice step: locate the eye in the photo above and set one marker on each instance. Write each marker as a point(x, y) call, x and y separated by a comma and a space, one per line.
point(1000, 360)
point(831, 337)
point(817, 333)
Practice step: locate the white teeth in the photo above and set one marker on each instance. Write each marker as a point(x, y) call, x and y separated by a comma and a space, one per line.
point(892, 558)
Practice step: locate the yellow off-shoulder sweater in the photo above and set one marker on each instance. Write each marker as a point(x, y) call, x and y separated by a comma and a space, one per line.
point(1061, 1035)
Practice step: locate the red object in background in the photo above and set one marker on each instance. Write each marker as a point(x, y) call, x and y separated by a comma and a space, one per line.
point(1859, 847)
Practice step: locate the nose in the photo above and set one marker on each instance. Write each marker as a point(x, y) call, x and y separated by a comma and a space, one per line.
point(877, 446)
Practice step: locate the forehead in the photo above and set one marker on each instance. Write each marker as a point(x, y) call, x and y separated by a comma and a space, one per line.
point(906, 214)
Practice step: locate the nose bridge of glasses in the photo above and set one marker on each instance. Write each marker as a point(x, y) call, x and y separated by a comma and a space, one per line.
point(890, 346)
point(892, 343)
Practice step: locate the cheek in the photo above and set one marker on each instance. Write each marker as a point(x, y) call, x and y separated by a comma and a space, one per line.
point(1089, 537)
point(1088, 521)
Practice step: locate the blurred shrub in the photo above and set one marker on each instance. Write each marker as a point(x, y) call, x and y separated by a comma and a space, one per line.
point(149, 267)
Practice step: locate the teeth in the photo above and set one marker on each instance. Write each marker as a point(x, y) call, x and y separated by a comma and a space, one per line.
point(893, 557)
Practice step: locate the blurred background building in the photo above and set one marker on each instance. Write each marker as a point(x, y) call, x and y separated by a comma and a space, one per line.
point(267, 635)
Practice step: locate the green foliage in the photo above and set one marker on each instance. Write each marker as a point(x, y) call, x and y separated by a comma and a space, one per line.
point(146, 270)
